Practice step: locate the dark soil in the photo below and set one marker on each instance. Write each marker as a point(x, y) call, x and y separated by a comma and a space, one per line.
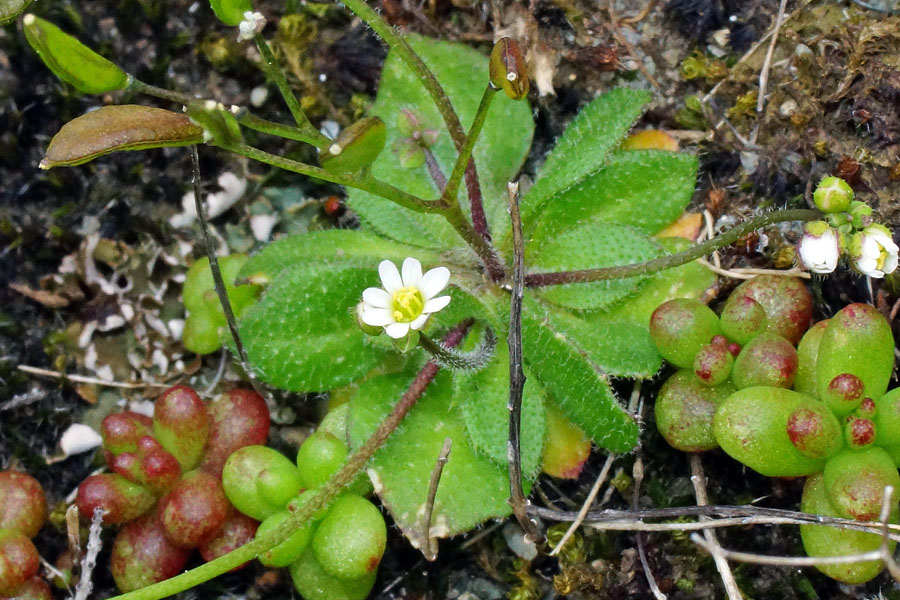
point(833, 108)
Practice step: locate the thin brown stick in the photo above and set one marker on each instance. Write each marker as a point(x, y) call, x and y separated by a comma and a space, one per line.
point(641, 15)
point(788, 561)
point(89, 380)
point(767, 65)
point(698, 478)
point(614, 25)
point(430, 550)
point(637, 474)
point(516, 373)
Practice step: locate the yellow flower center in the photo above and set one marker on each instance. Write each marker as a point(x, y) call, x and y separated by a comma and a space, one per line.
point(407, 305)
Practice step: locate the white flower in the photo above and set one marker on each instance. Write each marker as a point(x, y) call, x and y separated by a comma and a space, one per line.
point(405, 302)
point(820, 247)
point(873, 251)
point(252, 24)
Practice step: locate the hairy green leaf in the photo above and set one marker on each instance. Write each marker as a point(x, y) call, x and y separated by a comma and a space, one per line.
point(583, 147)
point(575, 383)
point(483, 397)
point(499, 152)
point(647, 189)
point(117, 128)
point(70, 60)
point(472, 488)
point(347, 246)
point(302, 335)
point(590, 245)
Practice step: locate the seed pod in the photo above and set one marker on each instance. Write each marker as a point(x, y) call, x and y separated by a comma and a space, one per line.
point(181, 425)
point(814, 430)
point(23, 506)
point(807, 355)
point(768, 360)
point(680, 327)
point(231, 12)
point(857, 341)
point(508, 70)
point(684, 411)
point(121, 499)
point(787, 302)
point(70, 60)
point(821, 541)
point(751, 426)
point(356, 147)
point(855, 481)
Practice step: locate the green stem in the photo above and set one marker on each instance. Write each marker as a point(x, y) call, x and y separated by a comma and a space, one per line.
point(320, 500)
point(672, 260)
point(243, 116)
point(479, 221)
point(270, 65)
point(480, 245)
point(368, 184)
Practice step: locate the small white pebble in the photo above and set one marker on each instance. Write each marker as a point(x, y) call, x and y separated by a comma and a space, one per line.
point(258, 95)
point(262, 226)
point(79, 438)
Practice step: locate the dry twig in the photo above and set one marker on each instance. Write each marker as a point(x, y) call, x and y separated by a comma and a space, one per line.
point(430, 545)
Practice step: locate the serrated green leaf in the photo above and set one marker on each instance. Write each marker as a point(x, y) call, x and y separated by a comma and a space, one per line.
point(499, 152)
point(646, 189)
point(483, 397)
point(586, 246)
point(70, 60)
point(578, 386)
point(347, 246)
point(472, 488)
point(302, 335)
point(116, 129)
point(10, 9)
point(583, 147)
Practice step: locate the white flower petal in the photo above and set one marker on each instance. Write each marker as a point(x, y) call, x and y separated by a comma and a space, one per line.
point(890, 264)
point(397, 330)
point(867, 265)
point(377, 297)
point(436, 304)
point(433, 282)
point(419, 321)
point(412, 272)
point(377, 317)
point(390, 276)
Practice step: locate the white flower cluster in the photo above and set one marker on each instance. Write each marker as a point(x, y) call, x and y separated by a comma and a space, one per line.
point(253, 23)
point(848, 229)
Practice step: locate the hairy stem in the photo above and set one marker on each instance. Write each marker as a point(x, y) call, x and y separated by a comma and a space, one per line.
point(243, 116)
point(672, 260)
point(464, 160)
point(274, 72)
point(323, 498)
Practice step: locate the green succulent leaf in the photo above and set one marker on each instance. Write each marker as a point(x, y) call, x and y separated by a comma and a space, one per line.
point(348, 246)
point(646, 189)
point(579, 386)
point(501, 148)
point(115, 129)
point(590, 245)
point(10, 9)
point(302, 335)
point(483, 397)
point(472, 489)
point(583, 147)
point(70, 60)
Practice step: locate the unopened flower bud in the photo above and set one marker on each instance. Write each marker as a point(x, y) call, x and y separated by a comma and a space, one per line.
point(507, 69)
point(833, 195)
point(366, 328)
point(820, 247)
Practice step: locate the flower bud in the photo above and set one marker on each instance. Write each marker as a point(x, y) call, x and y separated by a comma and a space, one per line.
point(820, 247)
point(507, 69)
point(833, 195)
point(407, 342)
point(355, 147)
point(367, 329)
